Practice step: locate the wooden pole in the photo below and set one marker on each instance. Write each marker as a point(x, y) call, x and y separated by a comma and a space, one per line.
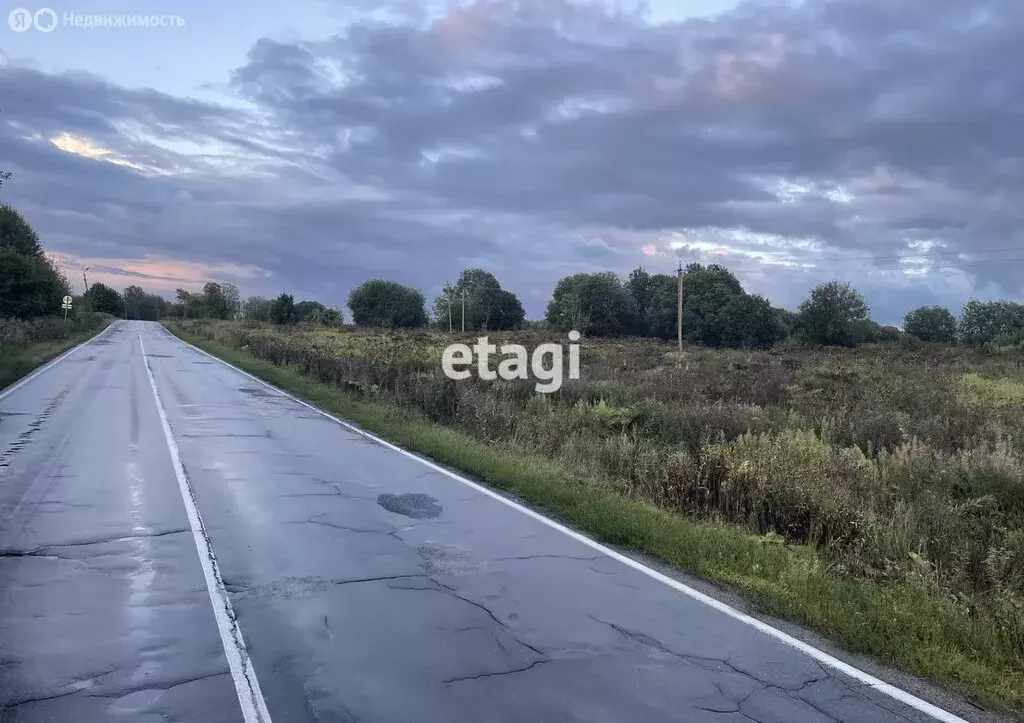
point(679, 320)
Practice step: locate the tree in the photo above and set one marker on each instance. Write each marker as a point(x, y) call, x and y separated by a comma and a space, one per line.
point(330, 317)
point(16, 233)
point(30, 283)
point(257, 308)
point(133, 298)
point(659, 318)
point(873, 333)
point(313, 312)
point(655, 298)
point(282, 310)
point(507, 311)
point(748, 320)
point(190, 305)
point(931, 323)
point(716, 309)
point(386, 303)
point(232, 299)
point(105, 299)
point(593, 304)
point(991, 321)
point(707, 292)
point(831, 315)
point(488, 306)
point(215, 303)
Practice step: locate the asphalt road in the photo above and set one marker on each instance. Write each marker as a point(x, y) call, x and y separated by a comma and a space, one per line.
point(368, 586)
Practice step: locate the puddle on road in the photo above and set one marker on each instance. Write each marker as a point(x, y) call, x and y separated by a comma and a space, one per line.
point(415, 505)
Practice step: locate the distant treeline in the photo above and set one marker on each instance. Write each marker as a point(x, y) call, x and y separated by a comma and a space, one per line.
point(717, 311)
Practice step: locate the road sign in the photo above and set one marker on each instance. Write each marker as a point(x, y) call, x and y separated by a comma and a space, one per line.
point(67, 300)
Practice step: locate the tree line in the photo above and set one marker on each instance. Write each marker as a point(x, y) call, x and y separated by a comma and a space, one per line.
point(717, 311)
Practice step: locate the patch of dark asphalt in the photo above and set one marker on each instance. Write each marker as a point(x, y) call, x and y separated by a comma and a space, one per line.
point(437, 560)
point(256, 391)
point(415, 505)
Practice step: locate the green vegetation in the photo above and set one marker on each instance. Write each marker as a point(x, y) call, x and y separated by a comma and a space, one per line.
point(386, 303)
point(31, 285)
point(875, 494)
point(487, 305)
point(931, 323)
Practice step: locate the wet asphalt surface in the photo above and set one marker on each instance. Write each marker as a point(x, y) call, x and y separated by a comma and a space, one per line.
point(368, 587)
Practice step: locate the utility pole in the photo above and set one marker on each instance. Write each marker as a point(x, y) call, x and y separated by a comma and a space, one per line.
point(86, 306)
point(679, 320)
point(449, 298)
point(463, 308)
point(85, 279)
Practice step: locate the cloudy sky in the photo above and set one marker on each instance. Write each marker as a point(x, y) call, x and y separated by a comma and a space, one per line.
point(310, 145)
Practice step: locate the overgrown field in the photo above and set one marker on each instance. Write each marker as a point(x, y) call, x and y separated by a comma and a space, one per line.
point(882, 474)
point(25, 344)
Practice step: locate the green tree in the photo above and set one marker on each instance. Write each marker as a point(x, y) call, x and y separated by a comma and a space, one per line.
point(991, 321)
point(641, 287)
point(873, 333)
point(931, 323)
point(232, 299)
point(488, 306)
point(133, 299)
point(659, 317)
point(313, 312)
point(216, 303)
point(30, 283)
point(282, 310)
point(507, 311)
point(707, 292)
point(331, 317)
point(748, 320)
point(257, 308)
point(16, 233)
point(104, 299)
point(593, 304)
point(189, 305)
point(832, 315)
point(387, 303)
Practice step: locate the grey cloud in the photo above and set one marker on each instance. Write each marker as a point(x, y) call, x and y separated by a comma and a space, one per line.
point(409, 145)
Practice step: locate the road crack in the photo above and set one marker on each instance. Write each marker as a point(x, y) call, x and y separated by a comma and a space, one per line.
point(497, 674)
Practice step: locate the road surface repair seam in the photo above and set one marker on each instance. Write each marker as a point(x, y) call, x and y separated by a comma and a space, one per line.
point(820, 656)
point(250, 696)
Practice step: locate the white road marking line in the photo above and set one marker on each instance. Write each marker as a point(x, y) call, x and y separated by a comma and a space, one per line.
point(52, 363)
point(250, 696)
point(819, 655)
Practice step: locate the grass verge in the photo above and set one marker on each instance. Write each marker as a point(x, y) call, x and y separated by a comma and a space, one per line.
point(20, 361)
point(910, 627)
